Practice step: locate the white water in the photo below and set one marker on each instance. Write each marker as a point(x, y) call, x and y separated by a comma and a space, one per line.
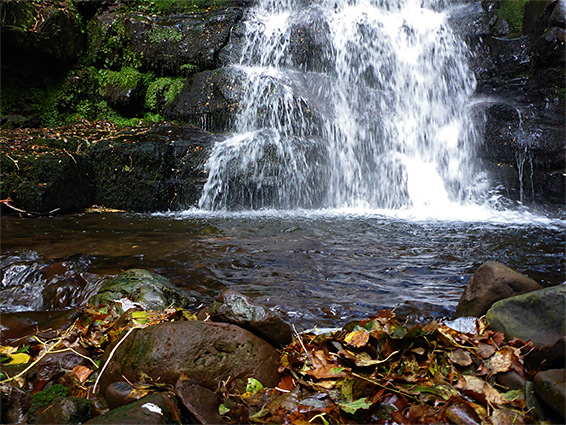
point(372, 114)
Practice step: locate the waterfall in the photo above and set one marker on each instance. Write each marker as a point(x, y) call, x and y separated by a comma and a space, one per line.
point(346, 104)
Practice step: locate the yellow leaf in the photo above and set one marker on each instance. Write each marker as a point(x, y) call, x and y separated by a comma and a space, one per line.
point(357, 338)
point(8, 350)
point(19, 358)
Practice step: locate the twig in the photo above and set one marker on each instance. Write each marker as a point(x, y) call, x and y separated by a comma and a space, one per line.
point(72, 157)
point(109, 358)
point(35, 362)
point(14, 161)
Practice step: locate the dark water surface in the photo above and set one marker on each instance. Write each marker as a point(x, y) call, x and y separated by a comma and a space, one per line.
point(317, 270)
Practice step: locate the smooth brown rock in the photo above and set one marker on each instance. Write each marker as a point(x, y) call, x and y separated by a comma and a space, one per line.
point(201, 402)
point(492, 282)
point(205, 352)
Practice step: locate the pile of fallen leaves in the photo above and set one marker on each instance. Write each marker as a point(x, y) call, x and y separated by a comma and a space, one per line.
point(87, 338)
point(373, 371)
point(378, 371)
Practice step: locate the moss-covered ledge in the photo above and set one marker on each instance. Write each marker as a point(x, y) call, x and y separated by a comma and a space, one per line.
point(68, 169)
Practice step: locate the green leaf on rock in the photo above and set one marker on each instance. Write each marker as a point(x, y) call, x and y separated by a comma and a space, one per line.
point(254, 386)
point(222, 410)
point(355, 405)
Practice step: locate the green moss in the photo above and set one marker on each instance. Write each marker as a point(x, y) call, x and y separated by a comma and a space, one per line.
point(127, 78)
point(45, 397)
point(513, 11)
point(175, 6)
point(163, 34)
point(163, 91)
point(188, 69)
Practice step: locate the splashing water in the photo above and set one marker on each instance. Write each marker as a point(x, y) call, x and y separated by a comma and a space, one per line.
point(349, 104)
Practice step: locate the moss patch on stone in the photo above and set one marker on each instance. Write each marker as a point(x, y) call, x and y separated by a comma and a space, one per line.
point(513, 11)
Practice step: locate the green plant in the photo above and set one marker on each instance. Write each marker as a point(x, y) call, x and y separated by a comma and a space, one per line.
point(163, 34)
point(513, 11)
point(163, 91)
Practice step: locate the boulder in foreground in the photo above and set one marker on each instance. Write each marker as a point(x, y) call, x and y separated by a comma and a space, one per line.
point(205, 352)
point(492, 282)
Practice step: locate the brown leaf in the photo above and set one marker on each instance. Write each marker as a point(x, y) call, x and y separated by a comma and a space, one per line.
point(460, 357)
point(462, 413)
point(82, 373)
point(323, 369)
point(507, 358)
point(493, 396)
point(486, 350)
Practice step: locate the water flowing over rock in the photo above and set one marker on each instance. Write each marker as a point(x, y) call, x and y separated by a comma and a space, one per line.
point(349, 104)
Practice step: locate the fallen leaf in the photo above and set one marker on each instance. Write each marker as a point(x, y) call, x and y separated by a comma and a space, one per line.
point(357, 338)
point(19, 358)
point(460, 357)
point(82, 373)
point(507, 358)
point(355, 405)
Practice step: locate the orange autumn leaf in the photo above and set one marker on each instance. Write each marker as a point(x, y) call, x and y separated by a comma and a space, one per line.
point(82, 373)
point(357, 338)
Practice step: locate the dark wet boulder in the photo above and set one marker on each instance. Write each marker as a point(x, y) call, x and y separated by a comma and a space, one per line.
point(157, 170)
point(150, 290)
point(233, 307)
point(550, 386)
point(537, 316)
point(159, 408)
point(46, 179)
point(491, 282)
point(209, 99)
point(121, 393)
point(205, 352)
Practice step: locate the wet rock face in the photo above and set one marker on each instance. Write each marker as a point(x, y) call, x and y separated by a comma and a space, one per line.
point(492, 282)
point(168, 44)
point(521, 77)
point(205, 352)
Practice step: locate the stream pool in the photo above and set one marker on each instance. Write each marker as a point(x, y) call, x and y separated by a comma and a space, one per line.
point(316, 268)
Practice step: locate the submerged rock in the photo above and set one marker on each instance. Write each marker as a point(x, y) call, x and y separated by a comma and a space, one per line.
point(537, 316)
point(205, 352)
point(150, 290)
point(233, 307)
point(492, 282)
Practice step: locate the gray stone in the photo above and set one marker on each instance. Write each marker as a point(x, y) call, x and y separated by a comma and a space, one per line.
point(492, 282)
point(152, 291)
point(538, 316)
point(550, 385)
point(205, 352)
point(233, 307)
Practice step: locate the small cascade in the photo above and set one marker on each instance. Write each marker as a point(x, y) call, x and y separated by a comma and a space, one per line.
point(347, 104)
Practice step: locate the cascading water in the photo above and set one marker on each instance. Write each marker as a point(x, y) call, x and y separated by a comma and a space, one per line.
point(349, 103)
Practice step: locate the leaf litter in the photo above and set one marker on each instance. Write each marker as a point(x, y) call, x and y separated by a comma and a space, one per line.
point(373, 371)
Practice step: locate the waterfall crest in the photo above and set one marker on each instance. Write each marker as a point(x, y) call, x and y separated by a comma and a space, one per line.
point(349, 103)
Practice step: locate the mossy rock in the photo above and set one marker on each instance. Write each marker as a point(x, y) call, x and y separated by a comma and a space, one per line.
point(152, 291)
